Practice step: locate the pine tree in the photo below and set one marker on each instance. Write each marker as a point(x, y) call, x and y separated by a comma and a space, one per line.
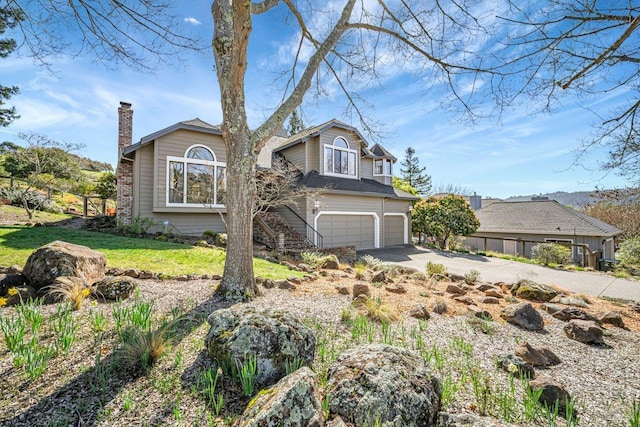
point(9, 18)
point(415, 175)
point(296, 124)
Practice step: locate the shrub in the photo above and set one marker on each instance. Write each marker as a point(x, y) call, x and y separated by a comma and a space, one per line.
point(629, 254)
point(139, 226)
point(311, 258)
point(472, 277)
point(547, 253)
point(435, 269)
point(369, 261)
point(34, 200)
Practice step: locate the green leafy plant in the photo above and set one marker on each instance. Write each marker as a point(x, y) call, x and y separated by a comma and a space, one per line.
point(64, 327)
point(435, 269)
point(629, 254)
point(247, 372)
point(14, 330)
point(633, 413)
point(472, 277)
point(293, 364)
point(139, 226)
point(369, 261)
point(548, 253)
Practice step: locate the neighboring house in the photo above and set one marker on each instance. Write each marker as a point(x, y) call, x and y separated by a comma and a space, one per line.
point(176, 177)
point(515, 227)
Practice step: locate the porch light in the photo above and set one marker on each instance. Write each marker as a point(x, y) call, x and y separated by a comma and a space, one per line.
point(410, 208)
point(316, 206)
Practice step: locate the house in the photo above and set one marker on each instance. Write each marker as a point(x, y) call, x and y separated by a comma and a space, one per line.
point(176, 177)
point(515, 227)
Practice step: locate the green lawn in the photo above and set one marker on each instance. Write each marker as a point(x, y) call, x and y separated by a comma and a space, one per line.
point(17, 243)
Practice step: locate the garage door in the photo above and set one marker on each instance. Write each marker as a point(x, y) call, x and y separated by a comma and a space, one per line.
point(393, 230)
point(347, 230)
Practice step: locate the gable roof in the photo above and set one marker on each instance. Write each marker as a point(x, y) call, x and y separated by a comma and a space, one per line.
point(193, 124)
point(363, 186)
point(540, 217)
point(314, 131)
point(380, 152)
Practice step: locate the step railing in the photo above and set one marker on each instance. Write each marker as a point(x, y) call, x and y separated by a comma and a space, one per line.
point(312, 236)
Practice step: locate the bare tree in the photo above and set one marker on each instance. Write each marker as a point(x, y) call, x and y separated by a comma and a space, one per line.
point(587, 48)
point(350, 46)
point(278, 185)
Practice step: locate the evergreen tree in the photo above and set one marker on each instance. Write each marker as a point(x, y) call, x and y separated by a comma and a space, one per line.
point(415, 175)
point(9, 18)
point(296, 125)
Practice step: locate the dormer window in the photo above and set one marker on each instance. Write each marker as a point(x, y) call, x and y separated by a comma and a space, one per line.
point(382, 167)
point(197, 179)
point(339, 159)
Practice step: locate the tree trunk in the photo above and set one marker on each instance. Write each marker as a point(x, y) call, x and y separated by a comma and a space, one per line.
point(232, 26)
point(238, 282)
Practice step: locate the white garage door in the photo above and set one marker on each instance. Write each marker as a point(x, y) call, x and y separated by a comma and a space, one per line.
point(347, 230)
point(393, 230)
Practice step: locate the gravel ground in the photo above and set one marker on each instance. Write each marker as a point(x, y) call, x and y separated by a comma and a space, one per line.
point(599, 378)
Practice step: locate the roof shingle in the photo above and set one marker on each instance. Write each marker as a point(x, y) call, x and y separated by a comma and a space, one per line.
point(540, 217)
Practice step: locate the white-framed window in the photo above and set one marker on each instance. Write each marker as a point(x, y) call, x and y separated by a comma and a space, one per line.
point(197, 179)
point(382, 167)
point(340, 160)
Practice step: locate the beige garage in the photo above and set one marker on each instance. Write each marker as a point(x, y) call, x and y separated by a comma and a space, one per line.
point(347, 230)
point(394, 230)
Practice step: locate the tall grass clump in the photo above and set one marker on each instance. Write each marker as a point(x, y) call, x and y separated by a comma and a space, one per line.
point(72, 291)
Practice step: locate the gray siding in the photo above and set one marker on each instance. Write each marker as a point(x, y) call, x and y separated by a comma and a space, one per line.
point(495, 244)
point(297, 155)
point(366, 168)
point(313, 151)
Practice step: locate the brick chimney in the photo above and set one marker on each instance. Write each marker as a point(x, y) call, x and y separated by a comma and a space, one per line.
point(125, 125)
point(124, 170)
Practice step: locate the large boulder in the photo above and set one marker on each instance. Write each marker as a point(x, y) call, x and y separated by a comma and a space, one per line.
point(383, 383)
point(524, 315)
point(275, 338)
point(293, 402)
point(64, 259)
point(533, 291)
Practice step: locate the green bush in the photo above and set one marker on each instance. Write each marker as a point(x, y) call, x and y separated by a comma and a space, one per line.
point(139, 226)
point(435, 269)
point(629, 253)
point(34, 199)
point(548, 253)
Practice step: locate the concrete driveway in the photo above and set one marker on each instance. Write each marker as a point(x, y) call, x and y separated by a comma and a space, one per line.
point(500, 270)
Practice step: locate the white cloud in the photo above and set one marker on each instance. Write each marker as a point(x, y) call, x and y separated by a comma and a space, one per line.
point(191, 20)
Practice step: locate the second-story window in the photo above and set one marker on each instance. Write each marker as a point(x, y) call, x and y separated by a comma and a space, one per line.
point(339, 159)
point(382, 167)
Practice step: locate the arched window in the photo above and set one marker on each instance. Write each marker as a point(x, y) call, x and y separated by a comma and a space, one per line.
point(196, 179)
point(200, 153)
point(339, 159)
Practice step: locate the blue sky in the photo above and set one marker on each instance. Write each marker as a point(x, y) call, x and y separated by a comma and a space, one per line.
point(527, 152)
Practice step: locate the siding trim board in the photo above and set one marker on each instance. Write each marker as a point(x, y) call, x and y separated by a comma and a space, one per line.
point(376, 223)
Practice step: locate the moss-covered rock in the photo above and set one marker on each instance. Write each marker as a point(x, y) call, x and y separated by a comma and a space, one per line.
point(381, 383)
point(274, 337)
point(533, 291)
point(293, 401)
